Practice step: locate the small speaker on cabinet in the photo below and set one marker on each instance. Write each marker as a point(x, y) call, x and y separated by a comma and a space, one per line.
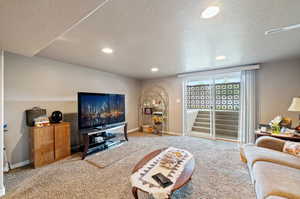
point(56, 117)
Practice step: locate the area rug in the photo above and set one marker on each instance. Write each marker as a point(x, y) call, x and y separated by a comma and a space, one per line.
point(219, 173)
point(113, 155)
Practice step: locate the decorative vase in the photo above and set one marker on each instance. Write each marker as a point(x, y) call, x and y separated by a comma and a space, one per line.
point(276, 129)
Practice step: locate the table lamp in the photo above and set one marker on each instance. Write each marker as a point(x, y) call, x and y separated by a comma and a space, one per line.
point(295, 106)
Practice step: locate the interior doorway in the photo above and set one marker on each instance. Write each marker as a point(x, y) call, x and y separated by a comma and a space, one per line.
point(212, 106)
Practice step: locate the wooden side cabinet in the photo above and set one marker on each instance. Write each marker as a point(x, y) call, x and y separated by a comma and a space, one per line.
point(50, 143)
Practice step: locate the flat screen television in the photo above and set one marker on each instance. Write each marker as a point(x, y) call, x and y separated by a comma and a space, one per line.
point(100, 109)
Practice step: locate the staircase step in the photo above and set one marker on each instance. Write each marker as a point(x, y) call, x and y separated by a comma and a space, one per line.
point(229, 124)
point(226, 127)
point(226, 132)
point(227, 117)
point(203, 116)
point(227, 113)
point(219, 113)
point(231, 137)
point(202, 120)
point(204, 112)
point(224, 117)
point(218, 120)
point(227, 121)
point(204, 124)
point(218, 132)
point(201, 129)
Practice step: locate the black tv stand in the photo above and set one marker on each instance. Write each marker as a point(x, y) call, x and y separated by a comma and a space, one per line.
point(109, 139)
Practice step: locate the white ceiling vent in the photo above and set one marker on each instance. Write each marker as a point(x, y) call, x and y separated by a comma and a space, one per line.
point(282, 29)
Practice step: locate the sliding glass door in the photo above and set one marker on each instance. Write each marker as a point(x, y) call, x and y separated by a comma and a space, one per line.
point(227, 105)
point(212, 106)
point(199, 107)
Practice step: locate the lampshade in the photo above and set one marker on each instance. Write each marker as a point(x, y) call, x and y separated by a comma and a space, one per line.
point(295, 106)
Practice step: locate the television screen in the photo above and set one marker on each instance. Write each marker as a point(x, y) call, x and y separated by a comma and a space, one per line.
point(99, 109)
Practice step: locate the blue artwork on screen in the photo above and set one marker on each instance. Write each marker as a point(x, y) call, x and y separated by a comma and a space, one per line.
point(117, 108)
point(96, 110)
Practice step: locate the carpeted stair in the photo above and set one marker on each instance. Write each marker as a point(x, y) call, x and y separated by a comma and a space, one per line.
point(226, 123)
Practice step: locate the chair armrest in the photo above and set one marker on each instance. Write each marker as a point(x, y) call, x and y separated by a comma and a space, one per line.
point(270, 143)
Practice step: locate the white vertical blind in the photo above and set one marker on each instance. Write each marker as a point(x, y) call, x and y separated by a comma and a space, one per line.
point(247, 123)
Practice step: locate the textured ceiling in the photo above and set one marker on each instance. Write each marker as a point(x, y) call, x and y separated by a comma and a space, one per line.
point(171, 35)
point(27, 26)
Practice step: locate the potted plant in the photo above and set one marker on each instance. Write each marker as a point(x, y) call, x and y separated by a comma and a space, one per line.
point(275, 125)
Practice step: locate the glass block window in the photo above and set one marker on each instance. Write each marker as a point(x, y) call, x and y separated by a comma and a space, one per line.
point(227, 97)
point(198, 97)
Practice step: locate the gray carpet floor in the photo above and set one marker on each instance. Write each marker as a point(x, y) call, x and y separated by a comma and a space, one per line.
point(219, 173)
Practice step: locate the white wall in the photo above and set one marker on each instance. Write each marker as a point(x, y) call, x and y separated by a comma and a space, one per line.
point(277, 84)
point(54, 85)
point(2, 189)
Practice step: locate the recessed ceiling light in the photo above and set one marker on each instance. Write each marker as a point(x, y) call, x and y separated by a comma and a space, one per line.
point(210, 12)
point(221, 57)
point(107, 50)
point(154, 69)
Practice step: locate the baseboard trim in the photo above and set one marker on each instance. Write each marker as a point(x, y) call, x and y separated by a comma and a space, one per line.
point(2, 191)
point(171, 133)
point(20, 164)
point(133, 130)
